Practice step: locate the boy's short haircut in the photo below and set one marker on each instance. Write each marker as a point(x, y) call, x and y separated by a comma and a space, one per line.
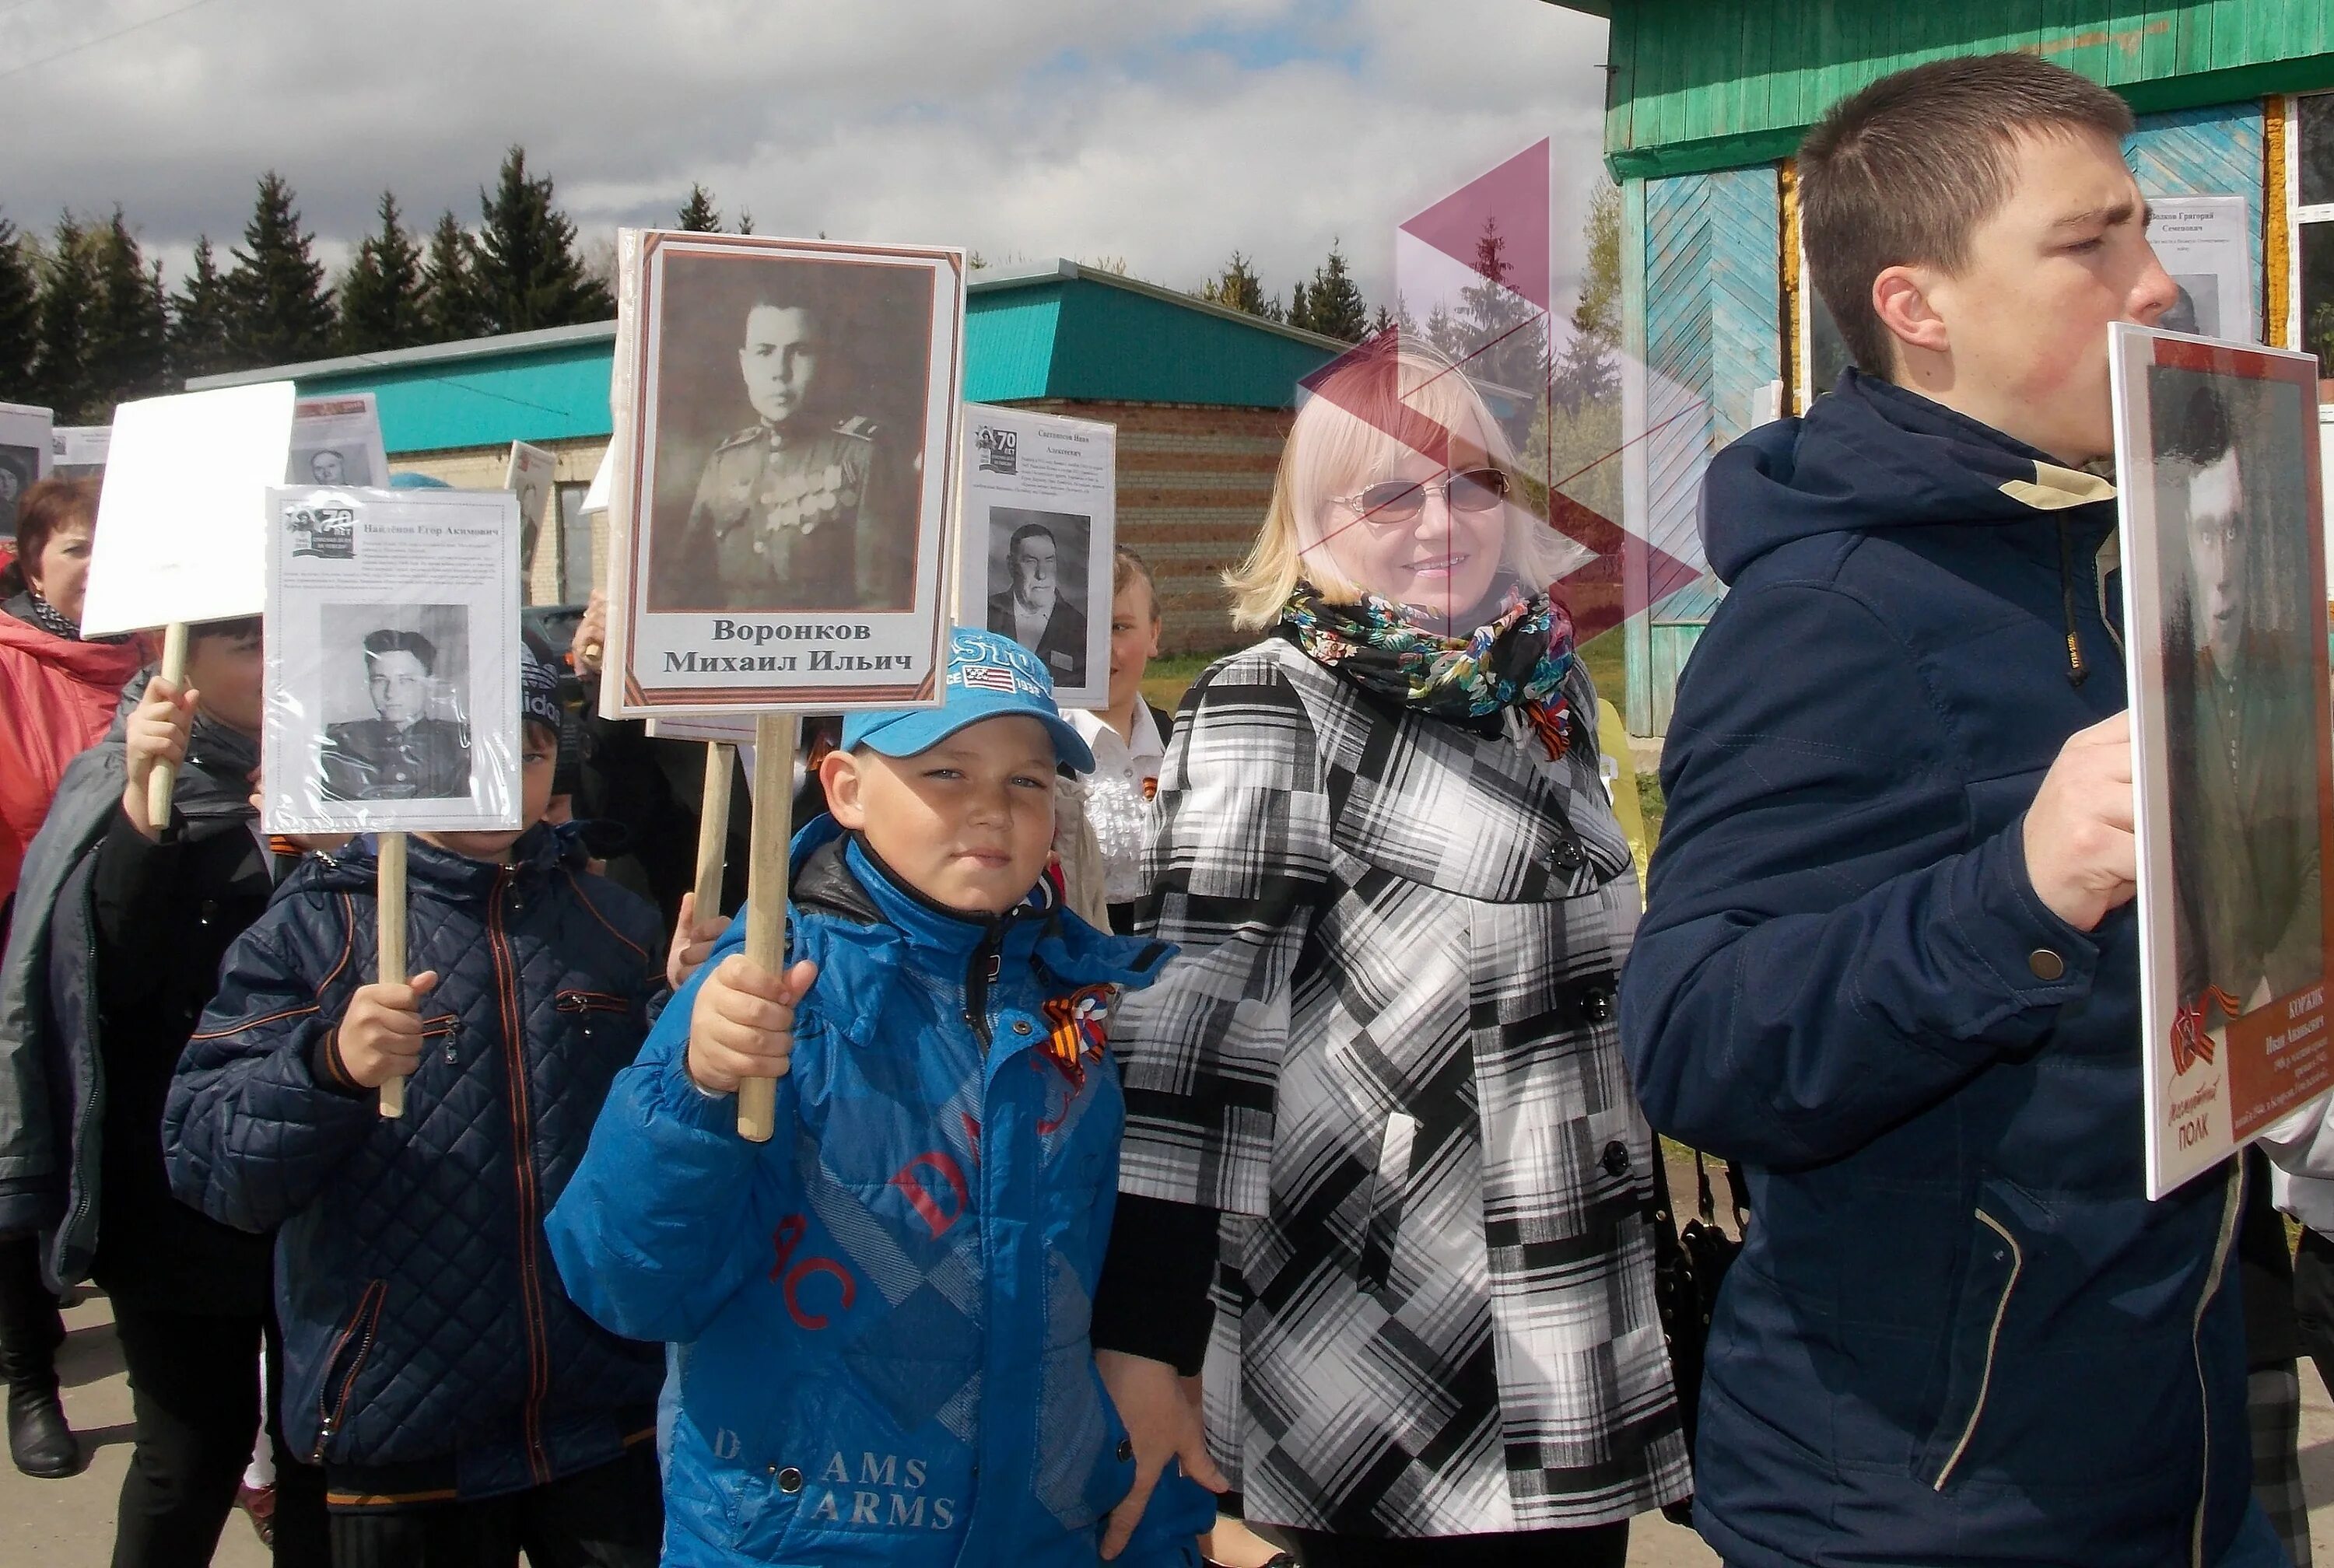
point(1125, 567)
point(1903, 172)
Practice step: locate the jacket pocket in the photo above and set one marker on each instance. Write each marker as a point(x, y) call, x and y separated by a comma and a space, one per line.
point(1990, 1277)
point(1381, 1218)
point(580, 1002)
point(347, 1359)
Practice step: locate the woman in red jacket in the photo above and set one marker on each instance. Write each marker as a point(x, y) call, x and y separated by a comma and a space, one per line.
point(58, 693)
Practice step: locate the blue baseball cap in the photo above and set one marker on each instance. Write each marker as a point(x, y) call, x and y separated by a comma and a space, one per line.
point(988, 675)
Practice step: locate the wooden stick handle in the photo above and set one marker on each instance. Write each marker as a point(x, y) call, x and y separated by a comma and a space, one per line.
point(165, 776)
point(389, 919)
point(765, 895)
point(713, 827)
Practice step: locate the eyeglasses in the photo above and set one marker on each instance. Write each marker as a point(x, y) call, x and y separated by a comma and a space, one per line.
point(1393, 501)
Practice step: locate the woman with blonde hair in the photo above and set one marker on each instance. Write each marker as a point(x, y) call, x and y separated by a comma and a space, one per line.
point(1379, 1129)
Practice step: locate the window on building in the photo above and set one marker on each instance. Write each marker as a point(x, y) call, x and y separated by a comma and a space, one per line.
point(575, 545)
point(2312, 130)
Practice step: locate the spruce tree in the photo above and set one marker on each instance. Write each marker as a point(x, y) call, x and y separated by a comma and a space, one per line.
point(381, 294)
point(279, 310)
point(453, 307)
point(698, 214)
point(1239, 287)
point(1504, 335)
point(20, 317)
point(528, 271)
point(1300, 306)
point(1588, 369)
point(198, 318)
point(128, 327)
point(61, 373)
point(1334, 306)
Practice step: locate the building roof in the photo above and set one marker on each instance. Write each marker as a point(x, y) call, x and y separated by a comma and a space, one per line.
point(1055, 329)
point(1705, 84)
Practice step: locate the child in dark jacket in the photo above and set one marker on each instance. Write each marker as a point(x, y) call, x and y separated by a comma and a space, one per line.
point(881, 1314)
point(462, 1406)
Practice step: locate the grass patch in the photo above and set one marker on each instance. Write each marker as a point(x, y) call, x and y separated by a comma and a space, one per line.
point(1165, 680)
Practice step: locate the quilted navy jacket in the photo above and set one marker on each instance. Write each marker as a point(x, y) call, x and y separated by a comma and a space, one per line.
point(1959, 1333)
point(426, 1340)
point(881, 1313)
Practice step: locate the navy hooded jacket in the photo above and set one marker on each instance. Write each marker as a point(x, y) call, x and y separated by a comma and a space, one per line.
point(428, 1345)
point(1959, 1333)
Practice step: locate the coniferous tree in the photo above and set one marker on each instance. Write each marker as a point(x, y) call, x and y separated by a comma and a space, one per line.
point(1300, 306)
point(20, 317)
point(1334, 306)
point(279, 310)
point(1239, 287)
point(61, 378)
point(1589, 369)
point(453, 306)
point(1504, 336)
point(381, 294)
point(198, 318)
point(745, 221)
point(528, 271)
point(128, 325)
point(698, 214)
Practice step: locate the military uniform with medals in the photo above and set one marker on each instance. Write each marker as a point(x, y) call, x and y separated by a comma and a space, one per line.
point(374, 760)
point(788, 520)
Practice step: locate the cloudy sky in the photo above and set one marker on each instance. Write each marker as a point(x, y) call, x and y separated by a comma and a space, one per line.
point(1166, 135)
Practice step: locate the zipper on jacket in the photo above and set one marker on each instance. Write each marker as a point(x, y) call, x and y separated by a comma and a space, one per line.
point(1992, 1341)
point(368, 1314)
point(2232, 1202)
point(590, 1001)
point(2078, 671)
point(980, 972)
point(530, 1223)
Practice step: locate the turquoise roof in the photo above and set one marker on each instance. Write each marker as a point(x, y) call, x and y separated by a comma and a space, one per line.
point(1054, 330)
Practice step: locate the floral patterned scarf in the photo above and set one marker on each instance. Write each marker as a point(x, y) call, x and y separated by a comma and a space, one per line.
point(1519, 659)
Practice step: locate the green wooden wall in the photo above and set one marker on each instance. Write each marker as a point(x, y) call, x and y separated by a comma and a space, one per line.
point(1703, 84)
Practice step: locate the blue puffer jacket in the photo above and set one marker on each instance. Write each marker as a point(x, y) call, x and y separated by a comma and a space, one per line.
point(881, 1314)
point(1959, 1334)
point(426, 1341)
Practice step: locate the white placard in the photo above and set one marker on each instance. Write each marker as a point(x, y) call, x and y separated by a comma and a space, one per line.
point(787, 460)
point(595, 494)
point(78, 451)
point(528, 474)
point(2202, 242)
point(2223, 570)
point(1040, 520)
point(730, 729)
point(182, 522)
point(392, 661)
point(24, 457)
point(336, 440)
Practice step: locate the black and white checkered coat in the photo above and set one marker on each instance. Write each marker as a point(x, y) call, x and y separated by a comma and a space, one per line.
point(1388, 1053)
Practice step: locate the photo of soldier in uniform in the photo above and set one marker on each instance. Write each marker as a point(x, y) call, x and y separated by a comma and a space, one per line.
point(791, 399)
point(331, 466)
point(2240, 638)
point(1038, 561)
point(402, 686)
point(19, 466)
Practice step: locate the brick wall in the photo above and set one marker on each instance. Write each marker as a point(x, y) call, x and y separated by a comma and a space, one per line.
point(482, 469)
point(1192, 485)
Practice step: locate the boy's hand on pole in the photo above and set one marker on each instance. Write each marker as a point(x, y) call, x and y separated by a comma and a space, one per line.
point(2081, 854)
point(1164, 1424)
point(692, 942)
point(743, 1024)
point(157, 732)
point(379, 1038)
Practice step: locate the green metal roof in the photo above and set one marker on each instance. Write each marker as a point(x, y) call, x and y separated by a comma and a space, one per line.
point(1054, 330)
point(1705, 84)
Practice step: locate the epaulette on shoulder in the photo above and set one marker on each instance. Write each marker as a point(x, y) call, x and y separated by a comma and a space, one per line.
point(858, 428)
point(750, 433)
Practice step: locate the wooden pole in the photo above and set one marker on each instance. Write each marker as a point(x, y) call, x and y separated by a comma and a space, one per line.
point(713, 827)
point(165, 776)
point(389, 919)
point(765, 893)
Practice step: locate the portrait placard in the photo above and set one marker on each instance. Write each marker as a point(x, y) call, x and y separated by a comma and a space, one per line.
point(2223, 568)
point(2202, 242)
point(336, 440)
point(786, 465)
point(392, 661)
point(78, 451)
point(1040, 520)
point(529, 474)
point(24, 457)
point(182, 521)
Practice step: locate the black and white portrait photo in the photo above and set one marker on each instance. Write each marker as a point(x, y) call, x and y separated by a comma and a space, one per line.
point(1037, 564)
point(19, 466)
point(396, 703)
point(789, 434)
point(333, 466)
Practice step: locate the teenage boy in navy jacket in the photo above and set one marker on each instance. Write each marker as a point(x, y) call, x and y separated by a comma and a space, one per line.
point(461, 1406)
point(1889, 960)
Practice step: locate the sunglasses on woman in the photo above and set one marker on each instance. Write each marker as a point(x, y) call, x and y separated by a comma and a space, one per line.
point(1402, 500)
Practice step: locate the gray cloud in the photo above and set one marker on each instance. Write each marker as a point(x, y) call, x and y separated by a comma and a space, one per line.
point(1166, 136)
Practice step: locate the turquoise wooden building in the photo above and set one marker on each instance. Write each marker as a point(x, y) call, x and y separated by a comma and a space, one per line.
point(1708, 99)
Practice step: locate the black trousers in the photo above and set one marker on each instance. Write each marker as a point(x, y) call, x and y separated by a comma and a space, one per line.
point(2313, 1300)
point(1599, 1547)
point(31, 1327)
point(610, 1517)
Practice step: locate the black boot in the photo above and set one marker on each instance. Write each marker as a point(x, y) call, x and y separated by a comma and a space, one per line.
point(39, 1441)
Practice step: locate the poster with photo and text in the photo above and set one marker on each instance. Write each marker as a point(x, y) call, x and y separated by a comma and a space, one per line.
point(1040, 523)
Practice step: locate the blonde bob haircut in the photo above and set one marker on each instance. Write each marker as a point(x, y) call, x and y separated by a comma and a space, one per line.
point(1386, 402)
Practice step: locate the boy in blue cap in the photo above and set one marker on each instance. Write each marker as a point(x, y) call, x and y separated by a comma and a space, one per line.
point(881, 1316)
